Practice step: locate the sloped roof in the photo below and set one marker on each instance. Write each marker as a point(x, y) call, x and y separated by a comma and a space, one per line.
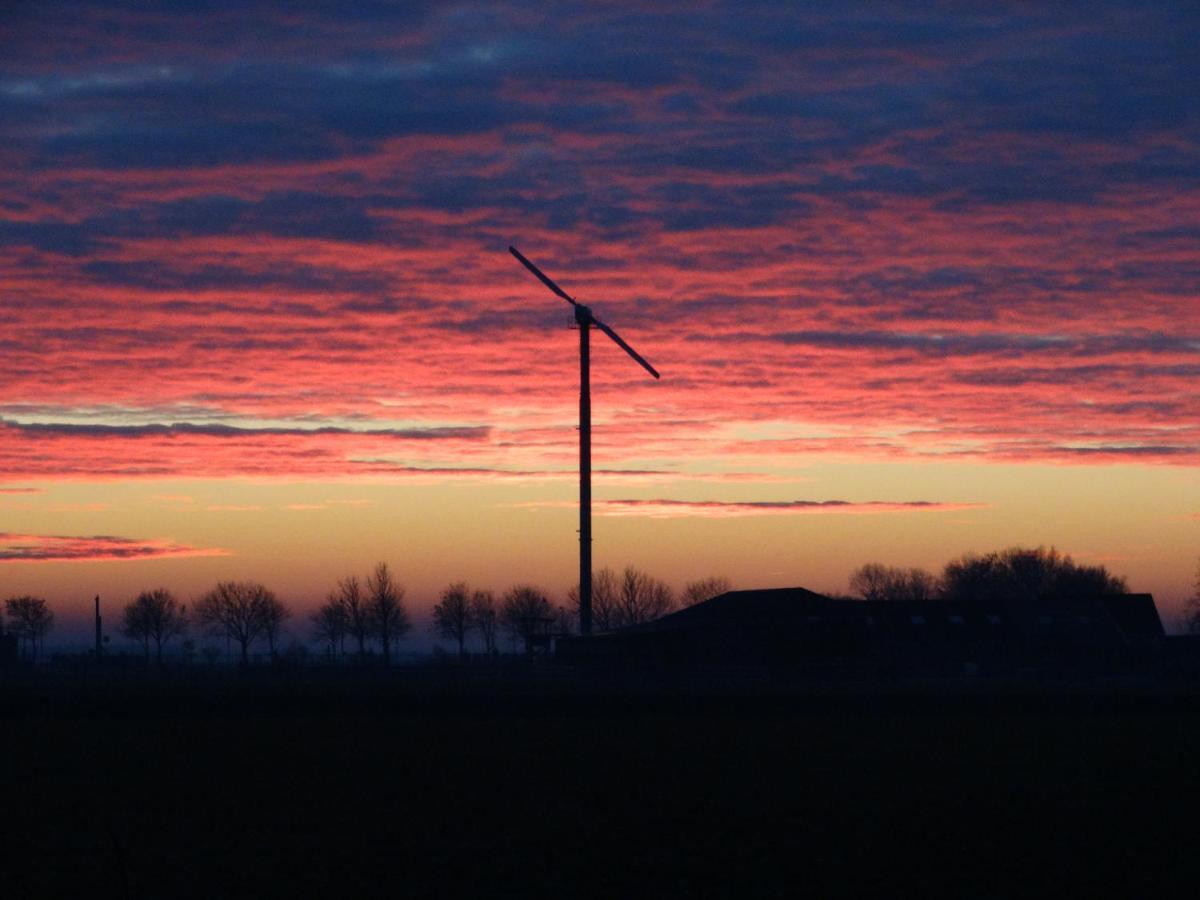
point(1135, 615)
point(741, 609)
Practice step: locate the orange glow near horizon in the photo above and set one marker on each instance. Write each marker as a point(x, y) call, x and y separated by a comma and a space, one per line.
point(300, 537)
point(259, 320)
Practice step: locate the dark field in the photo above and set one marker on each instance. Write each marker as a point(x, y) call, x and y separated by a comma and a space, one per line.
point(264, 788)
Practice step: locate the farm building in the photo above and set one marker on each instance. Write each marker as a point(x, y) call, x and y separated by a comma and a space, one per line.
point(799, 632)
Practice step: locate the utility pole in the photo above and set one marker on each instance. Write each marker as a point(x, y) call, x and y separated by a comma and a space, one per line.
point(583, 316)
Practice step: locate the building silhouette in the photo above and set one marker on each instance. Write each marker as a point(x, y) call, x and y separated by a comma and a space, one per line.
point(796, 632)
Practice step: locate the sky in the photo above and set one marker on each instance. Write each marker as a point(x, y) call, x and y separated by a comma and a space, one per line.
point(919, 283)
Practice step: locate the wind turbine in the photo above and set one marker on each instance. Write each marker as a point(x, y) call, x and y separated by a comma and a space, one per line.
point(585, 319)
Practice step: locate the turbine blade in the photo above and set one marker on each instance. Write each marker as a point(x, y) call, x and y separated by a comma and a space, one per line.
point(542, 276)
point(624, 346)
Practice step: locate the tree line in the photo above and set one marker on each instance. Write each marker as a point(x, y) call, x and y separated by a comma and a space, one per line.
point(524, 614)
point(365, 618)
point(1039, 575)
point(362, 618)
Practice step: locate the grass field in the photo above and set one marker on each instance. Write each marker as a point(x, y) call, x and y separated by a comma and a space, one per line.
point(276, 788)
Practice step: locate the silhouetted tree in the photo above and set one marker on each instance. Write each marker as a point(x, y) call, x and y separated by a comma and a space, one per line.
point(1020, 573)
point(631, 598)
point(452, 615)
point(486, 618)
point(705, 589)
point(524, 612)
point(871, 581)
point(642, 598)
point(154, 617)
point(606, 614)
point(977, 578)
point(385, 609)
point(874, 581)
point(238, 610)
point(350, 595)
point(922, 585)
point(1191, 611)
point(274, 614)
point(605, 596)
point(134, 626)
point(29, 619)
point(329, 623)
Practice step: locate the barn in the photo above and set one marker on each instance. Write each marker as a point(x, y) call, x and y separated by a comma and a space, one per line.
point(797, 632)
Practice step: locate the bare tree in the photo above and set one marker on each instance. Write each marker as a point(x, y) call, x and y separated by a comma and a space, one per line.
point(631, 598)
point(525, 613)
point(154, 617)
point(642, 598)
point(871, 581)
point(135, 626)
point(922, 585)
point(236, 610)
point(452, 615)
point(385, 608)
point(350, 595)
point(874, 581)
point(486, 618)
point(705, 589)
point(330, 624)
point(1191, 613)
point(30, 619)
point(274, 614)
point(606, 612)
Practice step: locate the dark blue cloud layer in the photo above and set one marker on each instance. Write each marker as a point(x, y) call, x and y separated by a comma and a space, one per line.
point(785, 87)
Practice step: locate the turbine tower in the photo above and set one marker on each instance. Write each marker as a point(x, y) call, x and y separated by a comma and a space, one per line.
point(585, 319)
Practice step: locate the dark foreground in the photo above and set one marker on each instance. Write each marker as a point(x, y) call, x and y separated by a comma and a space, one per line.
point(281, 787)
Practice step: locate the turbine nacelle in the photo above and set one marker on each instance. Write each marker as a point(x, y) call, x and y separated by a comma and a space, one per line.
point(583, 314)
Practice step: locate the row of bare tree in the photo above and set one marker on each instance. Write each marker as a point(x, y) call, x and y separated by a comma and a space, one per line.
point(243, 612)
point(363, 612)
point(368, 614)
point(247, 613)
point(525, 612)
point(634, 597)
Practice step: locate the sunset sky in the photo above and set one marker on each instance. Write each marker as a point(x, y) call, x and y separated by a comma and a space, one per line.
point(918, 284)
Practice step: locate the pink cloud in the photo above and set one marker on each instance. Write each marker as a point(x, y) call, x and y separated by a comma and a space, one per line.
point(63, 548)
point(924, 286)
